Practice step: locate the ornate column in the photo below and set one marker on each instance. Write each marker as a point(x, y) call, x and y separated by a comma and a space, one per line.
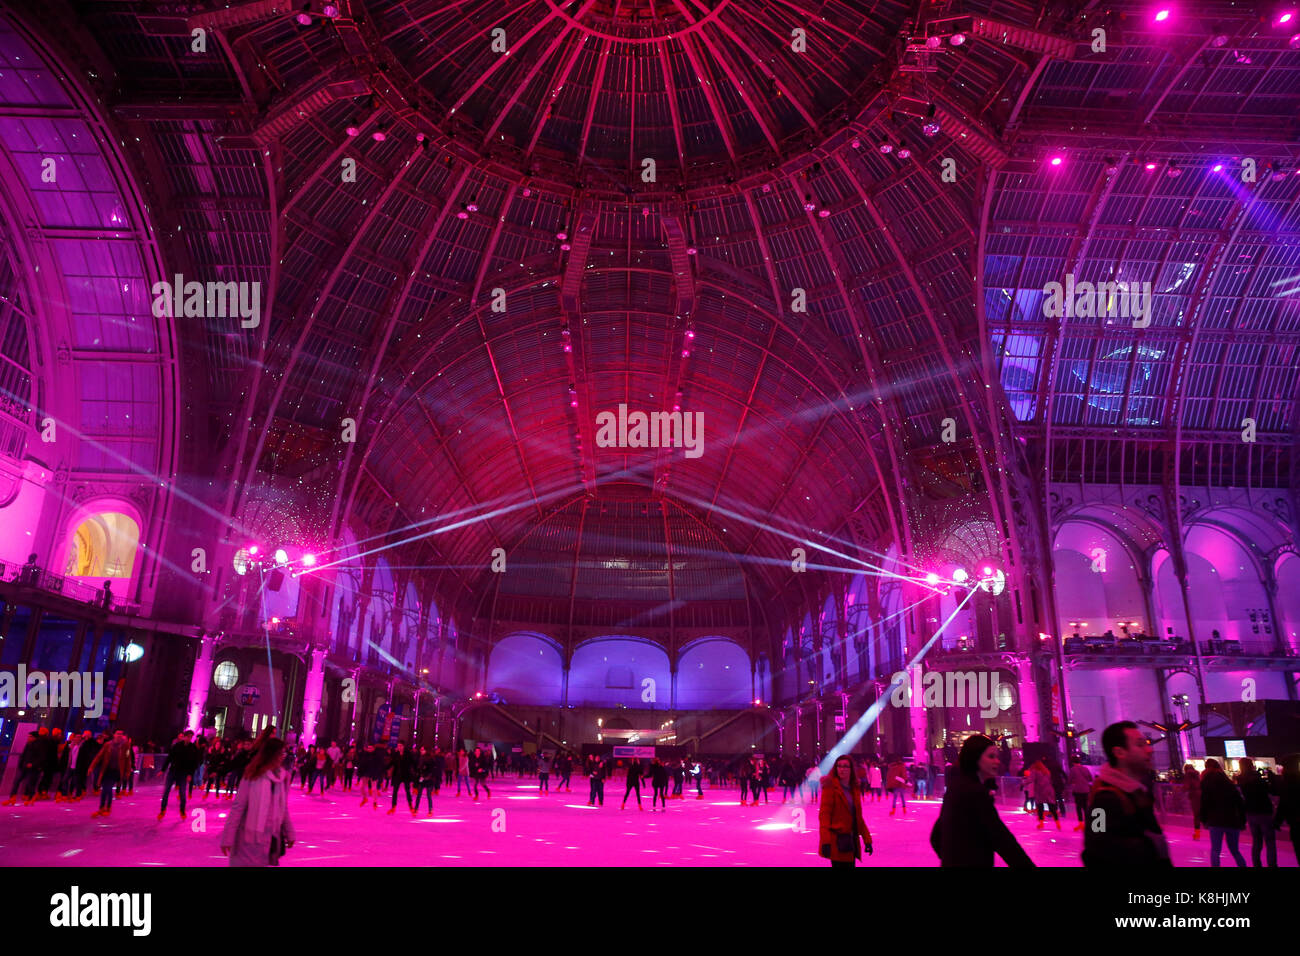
point(1028, 690)
point(201, 681)
point(311, 697)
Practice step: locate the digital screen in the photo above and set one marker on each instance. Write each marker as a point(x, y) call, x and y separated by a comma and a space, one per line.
point(1234, 748)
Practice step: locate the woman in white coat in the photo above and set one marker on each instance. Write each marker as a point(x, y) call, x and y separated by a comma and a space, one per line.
point(258, 829)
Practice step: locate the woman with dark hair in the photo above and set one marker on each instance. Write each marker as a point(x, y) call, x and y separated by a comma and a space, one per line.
point(258, 830)
point(1288, 807)
point(1223, 811)
point(842, 830)
point(658, 783)
point(969, 830)
point(1044, 793)
point(403, 770)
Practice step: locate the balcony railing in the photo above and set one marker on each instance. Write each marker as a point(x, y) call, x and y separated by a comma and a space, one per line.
point(1156, 647)
point(38, 579)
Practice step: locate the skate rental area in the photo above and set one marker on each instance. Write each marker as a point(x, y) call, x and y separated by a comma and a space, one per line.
point(851, 434)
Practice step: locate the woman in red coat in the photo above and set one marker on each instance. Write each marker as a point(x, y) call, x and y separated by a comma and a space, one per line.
point(843, 832)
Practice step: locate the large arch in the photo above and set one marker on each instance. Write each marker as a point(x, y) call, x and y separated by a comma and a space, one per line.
point(90, 386)
point(527, 667)
point(613, 671)
point(1098, 581)
point(1223, 584)
point(713, 673)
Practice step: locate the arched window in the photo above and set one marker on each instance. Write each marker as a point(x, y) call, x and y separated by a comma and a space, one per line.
point(103, 546)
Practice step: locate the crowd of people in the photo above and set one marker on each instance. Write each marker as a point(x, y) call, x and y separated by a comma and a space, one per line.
point(1115, 809)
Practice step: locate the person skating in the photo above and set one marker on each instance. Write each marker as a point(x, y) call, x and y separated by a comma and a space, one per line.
point(1223, 810)
point(596, 777)
point(235, 765)
point(634, 774)
point(1192, 787)
point(259, 829)
point(745, 773)
point(1040, 779)
point(659, 783)
point(1127, 833)
point(1288, 804)
point(1255, 791)
point(428, 773)
point(697, 771)
point(897, 782)
point(480, 768)
point(564, 766)
point(370, 769)
point(544, 773)
point(875, 779)
point(401, 771)
point(758, 781)
point(112, 762)
point(842, 830)
point(1080, 785)
point(90, 746)
point(29, 770)
point(182, 760)
point(215, 759)
point(969, 831)
point(462, 772)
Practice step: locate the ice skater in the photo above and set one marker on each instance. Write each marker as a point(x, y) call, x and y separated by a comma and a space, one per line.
point(634, 774)
point(258, 829)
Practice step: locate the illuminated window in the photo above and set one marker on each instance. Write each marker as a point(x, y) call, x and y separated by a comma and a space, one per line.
point(103, 546)
point(226, 675)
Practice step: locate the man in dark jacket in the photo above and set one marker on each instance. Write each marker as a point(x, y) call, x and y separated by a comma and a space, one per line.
point(85, 757)
point(969, 830)
point(1121, 827)
point(596, 775)
point(480, 767)
point(29, 770)
point(181, 762)
point(1256, 791)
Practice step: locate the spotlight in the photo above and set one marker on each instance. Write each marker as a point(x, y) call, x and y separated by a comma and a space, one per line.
point(304, 19)
point(690, 333)
point(686, 353)
point(886, 148)
point(932, 578)
point(930, 128)
point(527, 192)
point(1286, 17)
point(767, 187)
point(808, 204)
point(824, 213)
point(463, 214)
point(565, 247)
point(281, 556)
point(1217, 168)
point(960, 575)
point(1294, 42)
point(1055, 161)
point(252, 549)
point(1173, 172)
point(1150, 167)
point(1162, 15)
point(561, 235)
point(330, 10)
point(856, 143)
point(1219, 40)
point(904, 153)
point(934, 42)
point(472, 206)
point(691, 250)
point(379, 136)
point(309, 560)
point(987, 570)
point(352, 131)
point(957, 39)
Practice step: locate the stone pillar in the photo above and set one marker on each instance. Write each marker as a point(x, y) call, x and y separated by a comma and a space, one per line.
point(1028, 696)
point(201, 681)
point(311, 696)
